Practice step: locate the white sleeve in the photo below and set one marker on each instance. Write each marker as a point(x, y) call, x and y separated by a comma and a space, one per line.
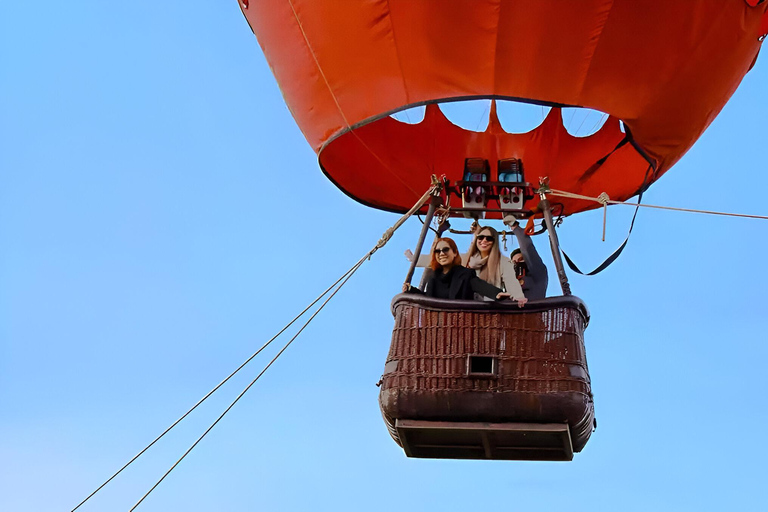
point(424, 260)
point(509, 279)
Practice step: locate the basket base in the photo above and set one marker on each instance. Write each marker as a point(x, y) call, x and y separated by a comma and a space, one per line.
point(486, 441)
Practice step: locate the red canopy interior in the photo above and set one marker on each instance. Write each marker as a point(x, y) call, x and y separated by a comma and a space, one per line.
point(664, 68)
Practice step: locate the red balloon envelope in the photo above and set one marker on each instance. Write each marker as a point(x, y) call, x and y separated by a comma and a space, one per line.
point(664, 68)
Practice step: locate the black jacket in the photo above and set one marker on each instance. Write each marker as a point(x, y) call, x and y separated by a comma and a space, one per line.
point(462, 284)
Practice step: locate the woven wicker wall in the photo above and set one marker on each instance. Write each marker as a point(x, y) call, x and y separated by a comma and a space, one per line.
point(537, 352)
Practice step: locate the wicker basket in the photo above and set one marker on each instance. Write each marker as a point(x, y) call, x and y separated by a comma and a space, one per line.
point(455, 362)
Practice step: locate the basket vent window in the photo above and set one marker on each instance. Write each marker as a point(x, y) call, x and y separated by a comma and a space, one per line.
point(481, 365)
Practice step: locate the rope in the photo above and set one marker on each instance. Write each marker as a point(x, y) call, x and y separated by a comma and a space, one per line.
point(336, 100)
point(605, 200)
point(231, 405)
point(317, 63)
point(211, 392)
point(343, 280)
point(382, 241)
point(391, 231)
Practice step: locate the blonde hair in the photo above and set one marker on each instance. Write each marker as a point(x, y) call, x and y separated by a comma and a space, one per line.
point(491, 271)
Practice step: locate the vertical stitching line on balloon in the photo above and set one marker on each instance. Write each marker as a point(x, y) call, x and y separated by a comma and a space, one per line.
point(338, 106)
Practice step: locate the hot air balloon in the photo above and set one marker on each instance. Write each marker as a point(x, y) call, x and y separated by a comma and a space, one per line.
point(477, 379)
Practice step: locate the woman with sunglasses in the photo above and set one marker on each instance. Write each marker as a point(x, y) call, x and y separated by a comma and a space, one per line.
point(450, 280)
point(484, 257)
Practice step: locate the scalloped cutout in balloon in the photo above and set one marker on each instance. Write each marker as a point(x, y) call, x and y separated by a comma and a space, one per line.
point(519, 117)
point(582, 122)
point(472, 115)
point(413, 115)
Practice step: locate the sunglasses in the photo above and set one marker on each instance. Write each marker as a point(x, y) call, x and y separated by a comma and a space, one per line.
point(444, 250)
point(487, 238)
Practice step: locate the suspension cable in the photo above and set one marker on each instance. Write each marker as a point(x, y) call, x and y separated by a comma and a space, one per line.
point(212, 391)
point(231, 405)
point(433, 189)
point(603, 199)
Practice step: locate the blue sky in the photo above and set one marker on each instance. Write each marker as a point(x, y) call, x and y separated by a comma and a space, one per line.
point(145, 252)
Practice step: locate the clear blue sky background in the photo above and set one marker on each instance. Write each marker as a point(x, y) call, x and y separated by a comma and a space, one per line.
point(149, 243)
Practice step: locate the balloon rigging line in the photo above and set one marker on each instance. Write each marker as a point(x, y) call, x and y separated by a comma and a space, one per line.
point(344, 277)
point(382, 241)
point(350, 273)
point(407, 116)
point(383, 164)
point(430, 227)
point(317, 62)
point(584, 120)
point(599, 120)
point(605, 200)
point(482, 115)
point(336, 100)
point(212, 391)
point(570, 121)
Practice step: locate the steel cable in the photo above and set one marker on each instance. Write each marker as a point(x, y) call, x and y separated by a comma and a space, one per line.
point(604, 200)
point(343, 279)
point(216, 388)
point(231, 405)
